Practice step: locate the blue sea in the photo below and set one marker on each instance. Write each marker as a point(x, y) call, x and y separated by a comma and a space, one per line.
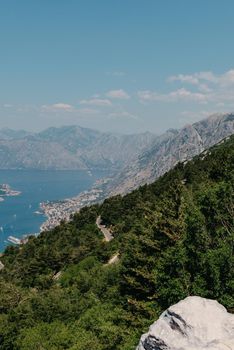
point(17, 214)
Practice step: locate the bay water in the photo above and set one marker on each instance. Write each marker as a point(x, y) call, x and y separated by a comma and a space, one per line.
point(17, 214)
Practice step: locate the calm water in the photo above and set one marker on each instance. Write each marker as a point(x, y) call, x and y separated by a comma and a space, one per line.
point(17, 215)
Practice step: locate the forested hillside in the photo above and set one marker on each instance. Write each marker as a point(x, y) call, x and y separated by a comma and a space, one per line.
point(174, 237)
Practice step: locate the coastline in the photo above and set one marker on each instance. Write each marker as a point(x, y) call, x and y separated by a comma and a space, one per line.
point(57, 211)
point(65, 191)
point(7, 191)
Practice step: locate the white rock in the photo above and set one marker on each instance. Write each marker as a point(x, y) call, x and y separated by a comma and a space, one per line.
point(194, 323)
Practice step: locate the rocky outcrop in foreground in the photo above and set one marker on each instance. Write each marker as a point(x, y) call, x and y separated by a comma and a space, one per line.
point(193, 324)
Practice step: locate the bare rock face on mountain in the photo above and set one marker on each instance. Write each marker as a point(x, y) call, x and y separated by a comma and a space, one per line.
point(71, 148)
point(134, 159)
point(170, 148)
point(193, 324)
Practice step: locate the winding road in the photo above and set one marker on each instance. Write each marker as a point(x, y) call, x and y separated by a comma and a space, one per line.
point(107, 233)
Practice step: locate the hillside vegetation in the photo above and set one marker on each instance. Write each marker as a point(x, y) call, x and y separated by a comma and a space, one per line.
point(174, 237)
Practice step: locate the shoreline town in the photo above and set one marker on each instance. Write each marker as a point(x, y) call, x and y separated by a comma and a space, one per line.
point(57, 211)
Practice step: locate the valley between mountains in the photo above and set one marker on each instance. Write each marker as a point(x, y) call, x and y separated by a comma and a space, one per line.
point(160, 156)
point(173, 238)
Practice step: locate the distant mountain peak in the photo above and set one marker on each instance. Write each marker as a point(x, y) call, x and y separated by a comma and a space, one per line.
point(170, 148)
point(70, 147)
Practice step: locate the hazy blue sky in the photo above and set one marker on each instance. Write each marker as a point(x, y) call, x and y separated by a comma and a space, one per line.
point(119, 65)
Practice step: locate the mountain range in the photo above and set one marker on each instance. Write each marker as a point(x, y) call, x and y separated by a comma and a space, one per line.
point(69, 148)
point(170, 148)
point(70, 289)
point(130, 160)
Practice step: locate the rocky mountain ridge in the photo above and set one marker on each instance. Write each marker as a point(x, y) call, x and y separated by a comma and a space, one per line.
point(170, 148)
point(173, 239)
point(132, 160)
point(71, 148)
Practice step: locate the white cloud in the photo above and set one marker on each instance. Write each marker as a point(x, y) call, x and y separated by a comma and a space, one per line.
point(174, 96)
point(227, 78)
point(192, 79)
point(123, 114)
point(207, 76)
point(198, 78)
point(183, 94)
point(96, 102)
point(118, 94)
point(62, 107)
point(206, 87)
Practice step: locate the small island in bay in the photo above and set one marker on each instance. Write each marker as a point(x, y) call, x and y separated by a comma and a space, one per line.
point(7, 191)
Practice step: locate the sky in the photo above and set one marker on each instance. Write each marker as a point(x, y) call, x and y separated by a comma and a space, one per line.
point(123, 66)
